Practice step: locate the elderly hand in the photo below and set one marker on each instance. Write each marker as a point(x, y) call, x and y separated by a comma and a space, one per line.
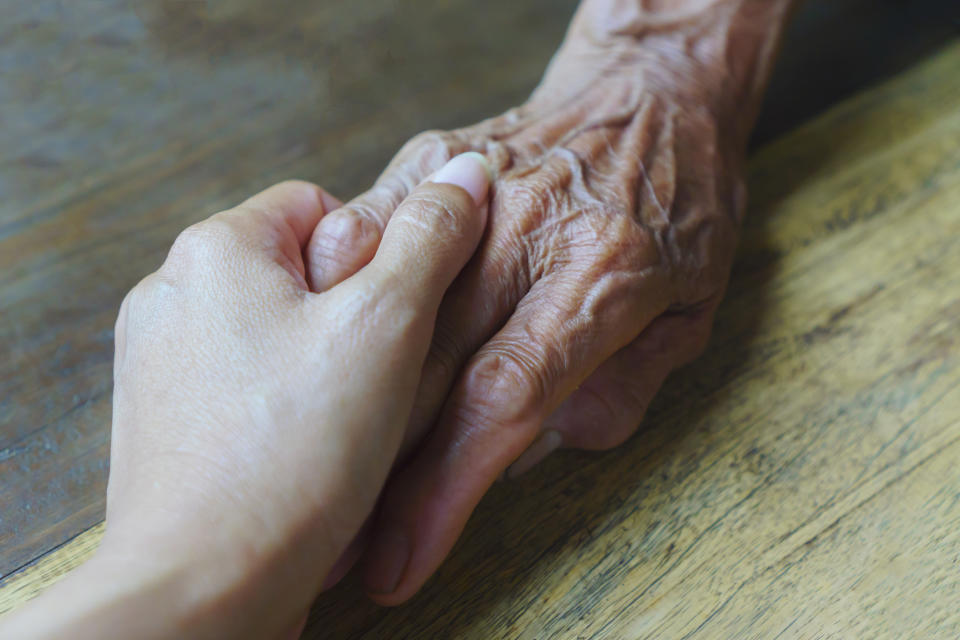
point(254, 421)
point(612, 229)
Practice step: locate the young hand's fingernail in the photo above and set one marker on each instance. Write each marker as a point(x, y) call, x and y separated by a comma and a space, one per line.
point(386, 561)
point(469, 171)
point(548, 442)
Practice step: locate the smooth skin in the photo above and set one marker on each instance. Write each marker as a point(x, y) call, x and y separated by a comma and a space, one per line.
point(255, 421)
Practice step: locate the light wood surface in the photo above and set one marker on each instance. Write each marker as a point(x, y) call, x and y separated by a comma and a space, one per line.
point(801, 479)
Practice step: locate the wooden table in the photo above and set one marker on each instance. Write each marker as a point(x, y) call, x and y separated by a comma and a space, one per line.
point(810, 489)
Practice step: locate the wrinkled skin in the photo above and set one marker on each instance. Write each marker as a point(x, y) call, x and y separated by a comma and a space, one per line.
point(613, 224)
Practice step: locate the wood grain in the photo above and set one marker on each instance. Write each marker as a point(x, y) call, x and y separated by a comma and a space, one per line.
point(799, 480)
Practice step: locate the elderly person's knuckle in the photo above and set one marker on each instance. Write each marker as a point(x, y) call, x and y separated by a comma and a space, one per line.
point(326, 249)
point(424, 153)
point(367, 217)
point(353, 227)
point(509, 381)
point(434, 144)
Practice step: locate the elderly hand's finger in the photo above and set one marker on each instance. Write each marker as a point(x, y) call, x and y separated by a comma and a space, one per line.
point(609, 406)
point(347, 239)
point(431, 236)
point(493, 414)
point(437, 228)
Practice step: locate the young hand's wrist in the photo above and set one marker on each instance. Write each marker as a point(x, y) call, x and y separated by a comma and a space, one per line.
point(196, 592)
point(124, 592)
point(227, 580)
point(141, 589)
point(115, 596)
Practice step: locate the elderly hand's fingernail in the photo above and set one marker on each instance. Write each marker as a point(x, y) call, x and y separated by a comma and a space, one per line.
point(386, 561)
point(469, 171)
point(548, 442)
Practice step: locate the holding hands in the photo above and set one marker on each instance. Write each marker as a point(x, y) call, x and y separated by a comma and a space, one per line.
point(293, 351)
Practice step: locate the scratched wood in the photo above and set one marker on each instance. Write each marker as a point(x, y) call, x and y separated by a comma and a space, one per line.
point(799, 479)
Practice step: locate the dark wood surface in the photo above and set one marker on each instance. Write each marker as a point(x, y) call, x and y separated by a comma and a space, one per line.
point(122, 123)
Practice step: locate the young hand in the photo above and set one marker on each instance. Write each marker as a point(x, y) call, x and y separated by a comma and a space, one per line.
point(255, 421)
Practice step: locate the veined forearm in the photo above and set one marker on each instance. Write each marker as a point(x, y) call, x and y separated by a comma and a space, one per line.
point(720, 50)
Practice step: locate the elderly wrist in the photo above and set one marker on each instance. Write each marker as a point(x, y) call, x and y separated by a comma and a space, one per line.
point(714, 55)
